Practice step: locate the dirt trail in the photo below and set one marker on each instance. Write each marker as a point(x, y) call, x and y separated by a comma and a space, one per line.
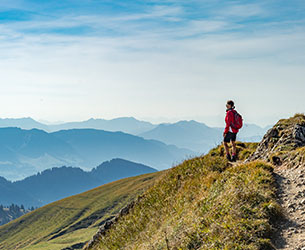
point(290, 234)
point(291, 196)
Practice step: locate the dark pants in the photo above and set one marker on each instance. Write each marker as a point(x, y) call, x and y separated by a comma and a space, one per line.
point(230, 137)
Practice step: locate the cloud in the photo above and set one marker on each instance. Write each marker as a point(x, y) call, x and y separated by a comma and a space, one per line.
point(158, 11)
point(158, 61)
point(243, 10)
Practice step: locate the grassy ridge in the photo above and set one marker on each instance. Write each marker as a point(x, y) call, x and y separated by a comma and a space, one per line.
point(203, 203)
point(74, 219)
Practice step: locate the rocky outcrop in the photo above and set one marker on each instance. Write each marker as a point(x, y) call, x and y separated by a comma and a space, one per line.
point(286, 136)
point(109, 222)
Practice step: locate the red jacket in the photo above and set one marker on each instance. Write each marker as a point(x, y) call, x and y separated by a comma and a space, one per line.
point(229, 120)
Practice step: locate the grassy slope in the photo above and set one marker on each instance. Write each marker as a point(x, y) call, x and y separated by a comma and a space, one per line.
point(203, 203)
point(77, 216)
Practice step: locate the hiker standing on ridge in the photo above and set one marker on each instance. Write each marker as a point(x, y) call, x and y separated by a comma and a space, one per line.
point(233, 124)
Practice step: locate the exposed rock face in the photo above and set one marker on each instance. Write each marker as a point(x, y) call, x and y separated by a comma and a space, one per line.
point(285, 136)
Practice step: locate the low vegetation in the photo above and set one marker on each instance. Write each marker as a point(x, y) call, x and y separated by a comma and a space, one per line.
point(203, 203)
point(73, 220)
point(298, 118)
point(243, 150)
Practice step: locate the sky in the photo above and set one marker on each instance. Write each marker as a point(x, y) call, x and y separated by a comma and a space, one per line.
point(160, 61)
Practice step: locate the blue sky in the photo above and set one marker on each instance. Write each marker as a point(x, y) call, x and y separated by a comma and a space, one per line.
point(155, 60)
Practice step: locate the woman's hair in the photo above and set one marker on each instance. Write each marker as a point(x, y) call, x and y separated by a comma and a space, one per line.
point(231, 103)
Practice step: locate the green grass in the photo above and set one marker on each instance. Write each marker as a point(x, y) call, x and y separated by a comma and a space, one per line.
point(68, 239)
point(74, 219)
point(296, 119)
point(243, 150)
point(203, 203)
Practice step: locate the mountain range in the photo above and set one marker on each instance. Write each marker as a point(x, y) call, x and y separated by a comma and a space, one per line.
point(60, 182)
point(35, 146)
point(203, 136)
point(26, 152)
point(128, 125)
point(197, 136)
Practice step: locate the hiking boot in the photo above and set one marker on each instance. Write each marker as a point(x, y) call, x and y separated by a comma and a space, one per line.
point(234, 158)
point(229, 157)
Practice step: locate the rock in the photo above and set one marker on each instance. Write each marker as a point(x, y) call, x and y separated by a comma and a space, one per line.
point(286, 134)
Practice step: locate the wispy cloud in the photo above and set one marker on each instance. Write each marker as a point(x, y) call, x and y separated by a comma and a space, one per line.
point(189, 54)
point(243, 10)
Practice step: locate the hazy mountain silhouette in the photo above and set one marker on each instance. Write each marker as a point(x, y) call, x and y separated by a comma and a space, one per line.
point(187, 134)
point(25, 152)
point(133, 126)
point(24, 123)
point(198, 136)
point(128, 125)
point(117, 169)
point(94, 146)
point(10, 194)
point(57, 183)
point(252, 132)
point(125, 124)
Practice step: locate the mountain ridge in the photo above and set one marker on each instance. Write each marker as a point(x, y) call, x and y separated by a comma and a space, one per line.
point(25, 152)
point(133, 126)
point(128, 125)
point(59, 182)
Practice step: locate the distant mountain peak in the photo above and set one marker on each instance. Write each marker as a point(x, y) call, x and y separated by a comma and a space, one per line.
point(20, 118)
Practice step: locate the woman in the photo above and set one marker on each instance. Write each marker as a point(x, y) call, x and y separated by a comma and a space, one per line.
point(230, 132)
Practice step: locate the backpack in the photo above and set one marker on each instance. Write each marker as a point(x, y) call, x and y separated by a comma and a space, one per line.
point(238, 120)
